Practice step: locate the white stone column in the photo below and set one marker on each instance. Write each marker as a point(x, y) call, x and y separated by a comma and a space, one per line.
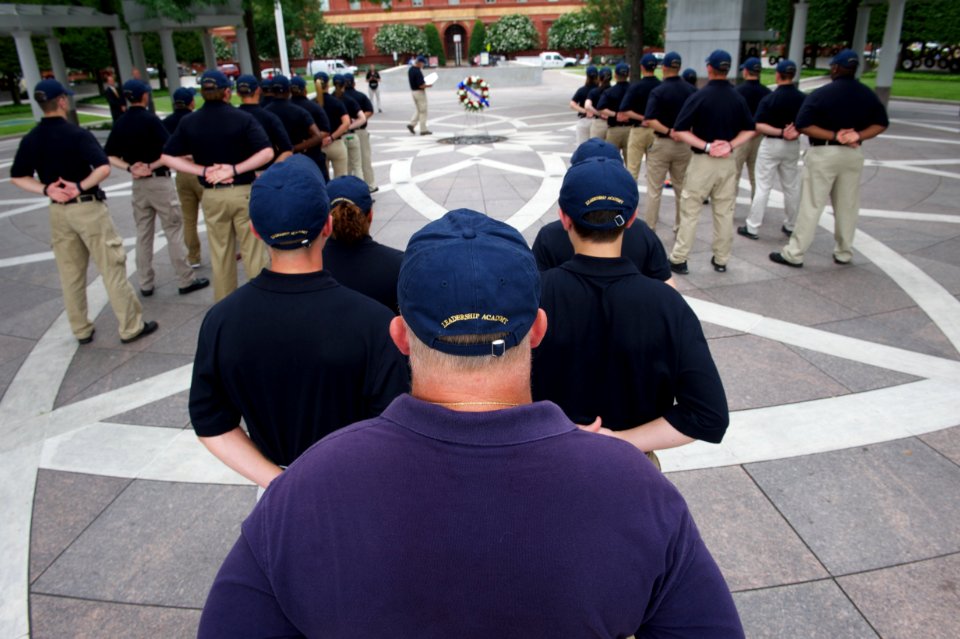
point(281, 38)
point(169, 60)
point(798, 35)
point(209, 52)
point(122, 46)
point(60, 72)
point(860, 34)
point(243, 50)
point(139, 59)
point(891, 49)
point(28, 64)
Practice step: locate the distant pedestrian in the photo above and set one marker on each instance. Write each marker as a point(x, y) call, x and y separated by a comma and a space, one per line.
point(114, 98)
point(373, 86)
point(418, 87)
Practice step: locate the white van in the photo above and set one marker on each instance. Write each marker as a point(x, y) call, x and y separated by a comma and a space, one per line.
point(330, 67)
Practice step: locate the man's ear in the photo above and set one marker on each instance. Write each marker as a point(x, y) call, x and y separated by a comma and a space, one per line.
point(398, 333)
point(565, 220)
point(327, 229)
point(539, 328)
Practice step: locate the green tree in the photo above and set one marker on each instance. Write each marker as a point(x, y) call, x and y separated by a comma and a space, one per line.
point(573, 31)
point(337, 41)
point(635, 25)
point(189, 46)
point(401, 39)
point(513, 33)
point(222, 48)
point(434, 45)
point(478, 40)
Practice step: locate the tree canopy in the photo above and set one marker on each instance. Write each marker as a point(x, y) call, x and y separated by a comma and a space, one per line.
point(337, 41)
point(573, 31)
point(513, 33)
point(400, 39)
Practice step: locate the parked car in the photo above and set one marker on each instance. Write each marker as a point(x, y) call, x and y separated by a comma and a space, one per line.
point(230, 70)
point(330, 67)
point(548, 60)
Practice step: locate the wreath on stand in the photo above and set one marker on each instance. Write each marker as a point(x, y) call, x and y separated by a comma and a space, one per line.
point(474, 93)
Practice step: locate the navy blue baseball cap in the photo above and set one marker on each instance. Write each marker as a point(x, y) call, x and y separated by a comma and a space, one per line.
point(847, 59)
point(247, 84)
point(134, 90)
point(720, 60)
point(649, 61)
point(752, 65)
point(592, 71)
point(289, 204)
point(352, 190)
point(322, 76)
point(672, 60)
point(48, 90)
point(338, 79)
point(599, 184)
point(605, 72)
point(184, 96)
point(280, 84)
point(689, 75)
point(214, 80)
point(422, 58)
point(786, 67)
point(595, 148)
point(468, 274)
point(297, 81)
point(622, 69)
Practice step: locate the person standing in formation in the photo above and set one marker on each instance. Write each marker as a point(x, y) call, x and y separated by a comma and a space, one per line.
point(418, 88)
point(690, 77)
point(333, 145)
point(363, 135)
point(189, 189)
point(618, 132)
point(298, 98)
point(631, 112)
point(134, 145)
point(598, 124)
point(779, 152)
point(357, 119)
point(248, 88)
point(752, 91)
point(300, 127)
point(578, 103)
point(373, 86)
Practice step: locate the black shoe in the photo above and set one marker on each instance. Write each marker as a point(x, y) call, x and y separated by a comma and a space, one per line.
point(779, 259)
point(146, 292)
point(86, 340)
point(719, 268)
point(410, 129)
point(786, 231)
point(148, 327)
point(841, 262)
point(426, 133)
point(374, 189)
point(744, 231)
point(195, 285)
point(680, 268)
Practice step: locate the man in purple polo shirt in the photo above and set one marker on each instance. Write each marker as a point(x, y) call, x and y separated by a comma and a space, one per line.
point(465, 509)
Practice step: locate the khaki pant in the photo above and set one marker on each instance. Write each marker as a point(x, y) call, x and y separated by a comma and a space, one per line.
point(374, 97)
point(190, 192)
point(776, 158)
point(583, 130)
point(228, 223)
point(598, 128)
point(641, 139)
point(354, 160)
point(829, 172)
point(366, 157)
point(665, 155)
point(337, 157)
point(714, 178)
point(420, 113)
point(619, 136)
point(77, 233)
point(152, 198)
point(747, 154)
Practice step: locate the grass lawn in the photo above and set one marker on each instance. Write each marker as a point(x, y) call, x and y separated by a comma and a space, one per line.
point(16, 120)
point(161, 100)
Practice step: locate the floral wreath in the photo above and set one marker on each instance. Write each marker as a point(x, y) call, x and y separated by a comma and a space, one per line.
point(474, 93)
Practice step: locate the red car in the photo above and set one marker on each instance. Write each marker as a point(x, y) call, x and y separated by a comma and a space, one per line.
point(230, 70)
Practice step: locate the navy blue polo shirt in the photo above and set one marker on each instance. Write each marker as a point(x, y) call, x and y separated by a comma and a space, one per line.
point(297, 356)
point(640, 245)
point(611, 99)
point(295, 121)
point(666, 100)
point(367, 267)
point(715, 112)
point(596, 93)
point(315, 110)
point(637, 96)
point(351, 105)
point(780, 107)
point(363, 102)
point(57, 149)
point(335, 111)
point(138, 136)
point(752, 91)
point(580, 97)
point(171, 121)
point(272, 125)
point(218, 133)
point(415, 76)
point(845, 103)
point(626, 348)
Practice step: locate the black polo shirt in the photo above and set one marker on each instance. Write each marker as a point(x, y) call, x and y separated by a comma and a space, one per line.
point(666, 100)
point(171, 121)
point(715, 112)
point(580, 97)
point(362, 101)
point(595, 94)
point(780, 107)
point(272, 125)
point(335, 111)
point(637, 96)
point(752, 91)
point(57, 149)
point(138, 136)
point(640, 245)
point(366, 267)
point(626, 348)
point(351, 105)
point(415, 76)
point(218, 133)
point(297, 357)
point(295, 121)
point(845, 103)
point(611, 99)
point(315, 110)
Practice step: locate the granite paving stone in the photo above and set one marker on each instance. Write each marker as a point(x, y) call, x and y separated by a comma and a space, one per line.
point(947, 251)
point(919, 599)
point(815, 610)
point(946, 275)
point(753, 545)
point(946, 442)
point(59, 617)
point(909, 328)
point(856, 377)
point(159, 543)
point(783, 299)
point(864, 291)
point(89, 364)
point(868, 507)
point(138, 367)
point(170, 412)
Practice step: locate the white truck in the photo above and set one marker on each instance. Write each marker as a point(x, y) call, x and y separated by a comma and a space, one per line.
point(330, 67)
point(547, 60)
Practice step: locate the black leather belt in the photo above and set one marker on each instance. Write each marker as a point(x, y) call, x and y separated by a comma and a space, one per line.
point(82, 198)
point(159, 173)
point(226, 186)
point(818, 142)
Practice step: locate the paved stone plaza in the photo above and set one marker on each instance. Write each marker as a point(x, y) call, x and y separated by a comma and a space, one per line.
point(832, 505)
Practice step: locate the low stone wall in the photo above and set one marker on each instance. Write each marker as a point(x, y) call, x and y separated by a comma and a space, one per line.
point(395, 79)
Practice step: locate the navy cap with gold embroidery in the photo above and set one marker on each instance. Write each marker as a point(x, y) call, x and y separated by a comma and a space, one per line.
point(289, 203)
point(352, 190)
point(134, 90)
point(49, 89)
point(468, 274)
point(599, 184)
point(247, 84)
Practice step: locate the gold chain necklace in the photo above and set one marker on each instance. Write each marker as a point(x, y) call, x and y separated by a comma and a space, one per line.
point(474, 404)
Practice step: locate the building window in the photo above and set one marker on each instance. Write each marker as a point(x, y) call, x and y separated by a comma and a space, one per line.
point(355, 5)
point(490, 1)
point(454, 1)
point(325, 5)
point(418, 3)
